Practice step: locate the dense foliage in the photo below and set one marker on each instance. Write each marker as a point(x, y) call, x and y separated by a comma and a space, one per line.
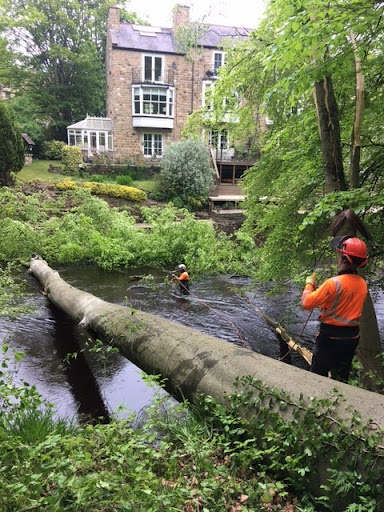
point(108, 189)
point(186, 171)
point(92, 231)
point(54, 57)
point(298, 50)
point(178, 458)
point(12, 146)
point(72, 159)
point(53, 149)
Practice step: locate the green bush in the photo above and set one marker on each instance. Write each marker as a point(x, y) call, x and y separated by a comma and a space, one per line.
point(186, 171)
point(72, 159)
point(124, 179)
point(52, 149)
point(11, 146)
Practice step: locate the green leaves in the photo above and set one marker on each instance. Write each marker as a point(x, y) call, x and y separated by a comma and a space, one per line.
point(186, 170)
point(56, 59)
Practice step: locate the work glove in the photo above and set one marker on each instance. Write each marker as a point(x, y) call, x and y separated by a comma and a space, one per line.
point(311, 280)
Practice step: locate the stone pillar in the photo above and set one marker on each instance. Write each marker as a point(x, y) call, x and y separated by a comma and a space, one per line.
point(28, 159)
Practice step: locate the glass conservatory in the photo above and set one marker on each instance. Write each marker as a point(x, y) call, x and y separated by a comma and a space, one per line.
point(93, 135)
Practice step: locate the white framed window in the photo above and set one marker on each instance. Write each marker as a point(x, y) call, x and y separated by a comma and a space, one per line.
point(152, 144)
point(218, 139)
point(207, 101)
point(153, 68)
point(153, 101)
point(218, 60)
point(206, 97)
point(100, 140)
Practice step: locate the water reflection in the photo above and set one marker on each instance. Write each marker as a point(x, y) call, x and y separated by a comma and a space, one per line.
point(97, 384)
point(81, 379)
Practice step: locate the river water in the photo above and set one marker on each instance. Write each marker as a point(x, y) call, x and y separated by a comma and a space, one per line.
point(97, 384)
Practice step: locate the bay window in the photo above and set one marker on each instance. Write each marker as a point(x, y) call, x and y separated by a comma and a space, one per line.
point(153, 101)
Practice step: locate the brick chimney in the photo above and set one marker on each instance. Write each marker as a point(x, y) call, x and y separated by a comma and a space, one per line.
point(114, 18)
point(180, 16)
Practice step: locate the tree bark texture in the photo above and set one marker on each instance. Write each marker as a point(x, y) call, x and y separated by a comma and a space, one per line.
point(193, 362)
point(354, 168)
point(329, 131)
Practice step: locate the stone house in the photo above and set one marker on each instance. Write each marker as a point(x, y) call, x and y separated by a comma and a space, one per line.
point(152, 88)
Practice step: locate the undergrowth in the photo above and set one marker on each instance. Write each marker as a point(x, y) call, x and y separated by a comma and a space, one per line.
point(205, 457)
point(77, 227)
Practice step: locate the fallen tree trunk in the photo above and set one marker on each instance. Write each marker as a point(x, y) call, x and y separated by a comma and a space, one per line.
point(191, 361)
point(195, 363)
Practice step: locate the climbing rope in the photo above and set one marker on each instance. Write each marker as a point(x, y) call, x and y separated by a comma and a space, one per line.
point(298, 338)
point(246, 345)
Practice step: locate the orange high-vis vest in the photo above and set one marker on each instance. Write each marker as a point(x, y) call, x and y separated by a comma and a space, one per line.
point(341, 299)
point(184, 276)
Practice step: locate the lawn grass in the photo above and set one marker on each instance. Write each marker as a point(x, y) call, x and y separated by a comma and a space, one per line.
point(38, 171)
point(146, 185)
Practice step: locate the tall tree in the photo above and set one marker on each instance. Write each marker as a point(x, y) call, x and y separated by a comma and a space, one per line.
point(12, 147)
point(60, 49)
point(306, 51)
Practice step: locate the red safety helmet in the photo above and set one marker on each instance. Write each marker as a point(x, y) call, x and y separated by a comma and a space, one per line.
point(353, 249)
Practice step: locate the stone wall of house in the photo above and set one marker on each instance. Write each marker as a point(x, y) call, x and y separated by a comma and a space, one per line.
point(120, 67)
point(188, 90)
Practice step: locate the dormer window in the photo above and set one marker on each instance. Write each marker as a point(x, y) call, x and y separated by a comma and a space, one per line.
point(153, 69)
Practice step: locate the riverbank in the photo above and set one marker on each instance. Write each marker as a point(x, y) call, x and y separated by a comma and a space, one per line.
point(218, 464)
point(225, 221)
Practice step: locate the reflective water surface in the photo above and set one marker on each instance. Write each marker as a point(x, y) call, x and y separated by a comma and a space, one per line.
point(95, 384)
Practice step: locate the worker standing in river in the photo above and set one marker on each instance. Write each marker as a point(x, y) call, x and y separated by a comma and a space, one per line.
point(340, 299)
point(182, 278)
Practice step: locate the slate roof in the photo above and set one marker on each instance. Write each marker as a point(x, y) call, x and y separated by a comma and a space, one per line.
point(156, 39)
point(93, 123)
point(28, 139)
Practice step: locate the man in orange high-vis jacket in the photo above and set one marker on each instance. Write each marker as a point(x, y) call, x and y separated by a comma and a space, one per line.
point(183, 279)
point(341, 300)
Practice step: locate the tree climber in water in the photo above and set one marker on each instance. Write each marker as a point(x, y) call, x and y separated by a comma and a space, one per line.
point(182, 278)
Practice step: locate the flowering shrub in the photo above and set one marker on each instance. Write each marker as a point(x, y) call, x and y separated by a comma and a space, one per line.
point(130, 193)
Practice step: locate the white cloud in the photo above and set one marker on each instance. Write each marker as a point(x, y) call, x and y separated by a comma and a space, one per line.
point(236, 13)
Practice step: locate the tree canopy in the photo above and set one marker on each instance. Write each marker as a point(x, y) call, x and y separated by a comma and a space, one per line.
point(55, 55)
point(315, 70)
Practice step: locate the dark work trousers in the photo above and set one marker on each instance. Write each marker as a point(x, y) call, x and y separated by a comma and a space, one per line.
point(184, 287)
point(334, 355)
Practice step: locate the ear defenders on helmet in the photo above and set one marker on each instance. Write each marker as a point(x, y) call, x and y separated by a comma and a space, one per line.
point(353, 250)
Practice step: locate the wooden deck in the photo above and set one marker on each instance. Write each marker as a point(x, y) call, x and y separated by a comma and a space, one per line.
point(226, 193)
point(224, 189)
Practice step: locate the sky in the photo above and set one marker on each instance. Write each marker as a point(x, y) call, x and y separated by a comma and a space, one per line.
point(236, 13)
